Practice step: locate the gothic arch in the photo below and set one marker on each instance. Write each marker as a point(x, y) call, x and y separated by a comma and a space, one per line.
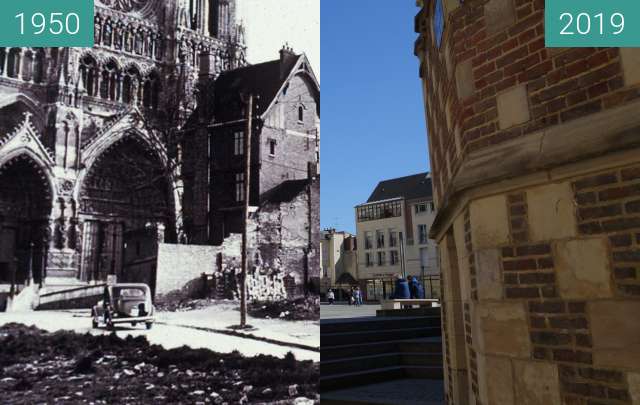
point(42, 166)
point(27, 198)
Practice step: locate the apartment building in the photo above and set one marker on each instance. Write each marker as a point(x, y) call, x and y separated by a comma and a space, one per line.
point(392, 233)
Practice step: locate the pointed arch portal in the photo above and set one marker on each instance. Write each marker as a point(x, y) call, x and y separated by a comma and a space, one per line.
point(125, 208)
point(25, 209)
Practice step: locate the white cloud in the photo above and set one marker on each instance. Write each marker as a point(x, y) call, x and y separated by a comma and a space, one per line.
point(270, 24)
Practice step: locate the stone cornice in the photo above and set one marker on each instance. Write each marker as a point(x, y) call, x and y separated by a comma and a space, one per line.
point(597, 135)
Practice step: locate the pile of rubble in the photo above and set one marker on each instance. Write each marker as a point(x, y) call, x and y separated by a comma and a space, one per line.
point(299, 309)
point(41, 367)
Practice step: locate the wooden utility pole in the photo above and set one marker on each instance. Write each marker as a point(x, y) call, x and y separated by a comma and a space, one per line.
point(247, 189)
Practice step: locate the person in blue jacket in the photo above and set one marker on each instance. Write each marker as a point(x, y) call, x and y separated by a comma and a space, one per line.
point(415, 288)
point(401, 290)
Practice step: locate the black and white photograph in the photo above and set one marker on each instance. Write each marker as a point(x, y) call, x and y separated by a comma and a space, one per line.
point(160, 208)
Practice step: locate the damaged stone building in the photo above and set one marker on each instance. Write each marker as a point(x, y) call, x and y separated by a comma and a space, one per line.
point(92, 151)
point(535, 158)
point(284, 169)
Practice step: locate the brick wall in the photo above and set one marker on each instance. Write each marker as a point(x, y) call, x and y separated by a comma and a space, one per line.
point(493, 80)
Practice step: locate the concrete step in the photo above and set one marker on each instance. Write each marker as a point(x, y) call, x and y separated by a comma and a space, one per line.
point(377, 323)
point(378, 361)
point(422, 345)
point(353, 379)
point(335, 339)
point(408, 312)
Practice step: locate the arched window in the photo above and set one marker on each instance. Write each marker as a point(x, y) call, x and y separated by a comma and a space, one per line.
point(108, 86)
point(107, 34)
point(39, 66)
point(151, 90)
point(27, 66)
point(130, 85)
point(301, 113)
point(89, 71)
point(13, 66)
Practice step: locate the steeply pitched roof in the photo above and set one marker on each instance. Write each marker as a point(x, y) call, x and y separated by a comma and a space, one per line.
point(263, 80)
point(409, 187)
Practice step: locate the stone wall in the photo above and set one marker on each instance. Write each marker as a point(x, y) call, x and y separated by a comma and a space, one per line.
point(180, 264)
point(492, 79)
point(535, 156)
point(541, 293)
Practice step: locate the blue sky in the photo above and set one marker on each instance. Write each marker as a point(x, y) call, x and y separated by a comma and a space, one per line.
point(373, 125)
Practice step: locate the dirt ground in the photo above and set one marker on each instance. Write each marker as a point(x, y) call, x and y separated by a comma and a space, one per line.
point(64, 367)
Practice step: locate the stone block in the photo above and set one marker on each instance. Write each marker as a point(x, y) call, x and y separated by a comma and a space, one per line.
point(551, 212)
point(615, 329)
point(498, 15)
point(513, 107)
point(488, 274)
point(633, 380)
point(464, 79)
point(501, 328)
point(461, 387)
point(489, 222)
point(495, 380)
point(582, 268)
point(630, 58)
point(536, 383)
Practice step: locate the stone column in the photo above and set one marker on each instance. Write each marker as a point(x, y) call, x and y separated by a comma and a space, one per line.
point(6, 62)
point(88, 261)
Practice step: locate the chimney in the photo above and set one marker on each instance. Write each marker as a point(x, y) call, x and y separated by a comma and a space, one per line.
point(287, 56)
point(207, 66)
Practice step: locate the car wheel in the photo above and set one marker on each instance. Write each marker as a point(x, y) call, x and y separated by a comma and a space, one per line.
point(149, 325)
point(94, 320)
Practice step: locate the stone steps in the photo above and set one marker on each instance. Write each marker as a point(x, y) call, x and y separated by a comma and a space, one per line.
point(365, 351)
point(353, 379)
point(334, 339)
point(379, 323)
point(412, 312)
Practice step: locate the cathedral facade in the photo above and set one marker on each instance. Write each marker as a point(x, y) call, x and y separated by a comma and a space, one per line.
point(90, 150)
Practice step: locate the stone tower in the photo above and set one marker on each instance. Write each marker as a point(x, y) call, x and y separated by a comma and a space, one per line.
point(535, 157)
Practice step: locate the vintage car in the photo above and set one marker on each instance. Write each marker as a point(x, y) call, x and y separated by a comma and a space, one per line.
point(124, 303)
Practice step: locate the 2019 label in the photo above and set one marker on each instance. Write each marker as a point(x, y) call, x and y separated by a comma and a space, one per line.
point(592, 23)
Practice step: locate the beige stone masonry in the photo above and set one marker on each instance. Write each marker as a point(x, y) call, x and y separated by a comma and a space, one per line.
point(498, 15)
point(489, 222)
point(551, 211)
point(615, 329)
point(633, 379)
point(488, 274)
point(582, 268)
point(630, 65)
point(513, 107)
point(463, 261)
point(536, 383)
point(501, 328)
point(495, 380)
point(464, 79)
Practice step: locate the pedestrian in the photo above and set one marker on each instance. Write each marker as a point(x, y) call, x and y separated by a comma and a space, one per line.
point(415, 288)
point(359, 295)
point(331, 297)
